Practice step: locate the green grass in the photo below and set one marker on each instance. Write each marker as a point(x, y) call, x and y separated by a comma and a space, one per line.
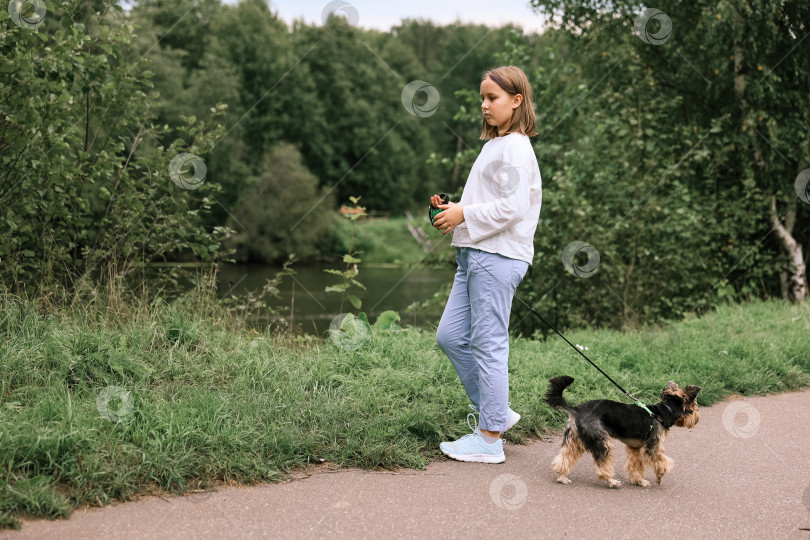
point(213, 403)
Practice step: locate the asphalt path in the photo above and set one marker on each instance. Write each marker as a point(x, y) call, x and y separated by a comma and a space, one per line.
point(742, 472)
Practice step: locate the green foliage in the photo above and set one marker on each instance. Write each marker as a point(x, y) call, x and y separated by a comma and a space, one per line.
point(333, 92)
point(387, 321)
point(358, 137)
point(665, 158)
point(282, 210)
point(84, 173)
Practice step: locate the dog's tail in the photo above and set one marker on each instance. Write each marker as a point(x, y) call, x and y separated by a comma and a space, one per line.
point(554, 394)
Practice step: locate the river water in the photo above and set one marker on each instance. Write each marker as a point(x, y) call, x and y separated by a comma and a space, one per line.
point(388, 287)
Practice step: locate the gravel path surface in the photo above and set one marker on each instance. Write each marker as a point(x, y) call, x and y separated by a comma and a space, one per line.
point(742, 472)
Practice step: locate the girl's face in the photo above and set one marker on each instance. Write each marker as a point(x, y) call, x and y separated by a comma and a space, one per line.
point(497, 104)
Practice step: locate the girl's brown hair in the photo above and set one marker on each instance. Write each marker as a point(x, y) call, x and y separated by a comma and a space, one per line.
point(513, 81)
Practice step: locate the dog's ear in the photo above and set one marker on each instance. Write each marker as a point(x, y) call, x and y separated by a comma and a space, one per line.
point(672, 386)
point(692, 392)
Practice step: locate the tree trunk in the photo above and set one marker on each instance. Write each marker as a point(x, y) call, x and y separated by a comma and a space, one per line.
point(418, 233)
point(784, 284)
point(797, 282)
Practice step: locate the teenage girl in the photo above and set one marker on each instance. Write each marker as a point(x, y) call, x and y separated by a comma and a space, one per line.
point(493, 230)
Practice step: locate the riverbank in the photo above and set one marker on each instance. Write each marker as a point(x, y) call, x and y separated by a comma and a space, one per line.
point(175, 399)
point(394, 241)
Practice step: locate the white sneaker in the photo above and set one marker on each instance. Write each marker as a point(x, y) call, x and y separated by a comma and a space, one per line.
point(472, 447)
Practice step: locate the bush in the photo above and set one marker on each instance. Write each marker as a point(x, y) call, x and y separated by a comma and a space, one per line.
point(86, 184)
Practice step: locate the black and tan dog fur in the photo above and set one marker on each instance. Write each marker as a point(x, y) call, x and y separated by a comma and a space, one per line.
point(592, 424)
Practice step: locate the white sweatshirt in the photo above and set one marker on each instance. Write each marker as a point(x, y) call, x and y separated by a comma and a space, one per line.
point(501, 199)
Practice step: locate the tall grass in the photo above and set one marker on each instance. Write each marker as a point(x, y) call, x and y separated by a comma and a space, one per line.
point(175, 397)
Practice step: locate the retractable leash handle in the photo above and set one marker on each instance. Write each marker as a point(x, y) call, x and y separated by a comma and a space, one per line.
point(625, 392)
point(433, 211)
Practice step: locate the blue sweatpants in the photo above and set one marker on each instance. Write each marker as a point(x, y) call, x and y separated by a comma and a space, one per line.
point(474, 329)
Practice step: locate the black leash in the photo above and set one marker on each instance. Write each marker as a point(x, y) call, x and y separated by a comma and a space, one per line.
point(628, 394)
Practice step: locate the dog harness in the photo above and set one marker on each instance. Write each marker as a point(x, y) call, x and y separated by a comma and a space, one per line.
point(652, 416)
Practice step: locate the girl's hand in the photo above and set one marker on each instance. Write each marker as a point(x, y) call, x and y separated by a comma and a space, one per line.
point(452, 216)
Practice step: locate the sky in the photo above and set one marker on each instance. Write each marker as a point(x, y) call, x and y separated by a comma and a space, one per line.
point(382, 15)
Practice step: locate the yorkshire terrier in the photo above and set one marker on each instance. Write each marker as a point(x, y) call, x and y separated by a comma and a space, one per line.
point(592, 424)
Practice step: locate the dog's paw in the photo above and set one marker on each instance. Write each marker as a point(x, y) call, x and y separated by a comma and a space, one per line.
point(613, 483)
point(564, 480)
point(642, 483)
